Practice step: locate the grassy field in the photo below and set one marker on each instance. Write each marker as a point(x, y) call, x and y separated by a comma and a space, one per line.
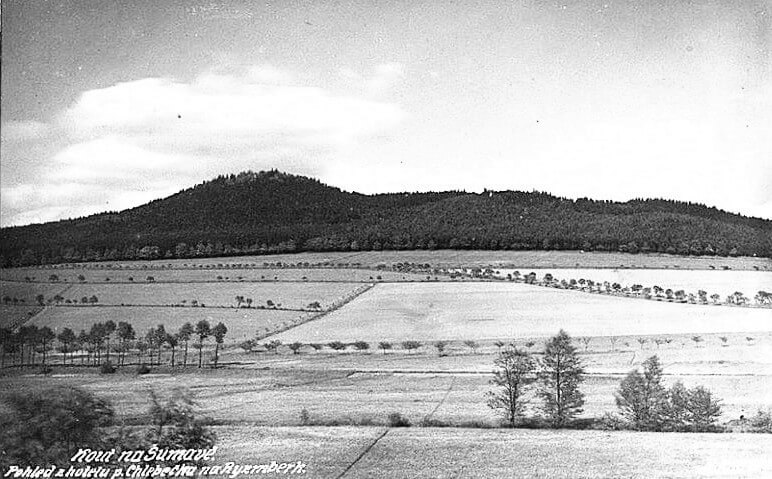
point(486, 311)
point(438, 258)
point(271, 389)
point(179, 274)
point(257, 398)
point(27, 292)
point(291, 295)
point(242, 323)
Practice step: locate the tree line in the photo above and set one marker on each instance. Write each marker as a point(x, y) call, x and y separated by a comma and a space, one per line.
point(31, 345)
point(272, 212)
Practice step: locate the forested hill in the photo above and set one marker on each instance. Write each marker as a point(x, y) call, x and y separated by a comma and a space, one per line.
point(271, 212)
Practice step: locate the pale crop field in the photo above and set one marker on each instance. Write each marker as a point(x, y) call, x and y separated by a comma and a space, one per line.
point(436, 453)
point(29, 291)
point(97, 273)
point(289, 295)
point(721, 282)
point(242, 323)
point(487, 311)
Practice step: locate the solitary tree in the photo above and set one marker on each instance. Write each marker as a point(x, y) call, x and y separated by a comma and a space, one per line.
point(384, 345)
point(185, 332)
point(295, 347)
point(125, 334)
point(203, 330)
point(560, 375)
point(471, 345)
point(513, 373)
point(219, 332)
point(67, 339)
point(173, 341)
point(441, 345)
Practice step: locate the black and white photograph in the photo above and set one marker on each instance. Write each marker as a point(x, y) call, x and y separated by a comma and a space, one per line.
point(385, 239)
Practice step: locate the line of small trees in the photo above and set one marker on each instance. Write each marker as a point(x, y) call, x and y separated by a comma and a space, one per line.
point(762, 298)
point(24, 346)
point(411, 346)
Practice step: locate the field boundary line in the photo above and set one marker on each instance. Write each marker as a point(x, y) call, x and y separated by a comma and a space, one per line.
point(442, 401)
point(334, 307)
point(362, 454)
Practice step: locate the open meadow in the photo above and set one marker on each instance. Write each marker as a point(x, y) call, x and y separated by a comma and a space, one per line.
point(330, 407)
point(489, 311)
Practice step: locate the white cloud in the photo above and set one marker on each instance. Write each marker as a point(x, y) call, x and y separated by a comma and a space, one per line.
point(386, 77)
point(135, 141)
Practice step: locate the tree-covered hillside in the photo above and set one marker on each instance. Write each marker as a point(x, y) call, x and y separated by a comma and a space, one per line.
point(270, 212)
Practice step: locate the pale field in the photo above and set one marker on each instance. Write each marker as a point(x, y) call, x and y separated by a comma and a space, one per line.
point(242, 323)
point(29, 291)
point(289, 295)
point(721, 282)
point(489, 311)
point(445, 453)
point(99, 272)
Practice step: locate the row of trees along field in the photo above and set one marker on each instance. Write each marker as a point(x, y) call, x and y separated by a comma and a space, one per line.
point(30, 344)
point(644, 403)
point(761, 298)
point(272, 212)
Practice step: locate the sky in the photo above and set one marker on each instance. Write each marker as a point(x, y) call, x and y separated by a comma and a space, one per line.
point(109, 104)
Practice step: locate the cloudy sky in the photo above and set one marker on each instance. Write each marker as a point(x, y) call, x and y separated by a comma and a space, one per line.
point(110, 104)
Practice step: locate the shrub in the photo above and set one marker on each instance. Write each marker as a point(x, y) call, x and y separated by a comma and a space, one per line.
point(305, 418)
point(612, 422)
point(762, 421)
point(396, 419)
point(361, 345)
point(107, 368)
point(143, 369)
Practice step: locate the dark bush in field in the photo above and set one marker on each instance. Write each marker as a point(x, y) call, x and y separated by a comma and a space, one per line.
point(107, 368)
point(396, 419)
point(143, 369)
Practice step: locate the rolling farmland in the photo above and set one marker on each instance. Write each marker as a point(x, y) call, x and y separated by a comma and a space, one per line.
point(725, 348)
point(489, 311)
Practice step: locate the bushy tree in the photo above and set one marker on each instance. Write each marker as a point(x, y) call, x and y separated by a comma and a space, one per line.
point(648, 406)
point(203, 331)
point(48, 426)
point(560, 375)
point(514, 372)
point(175, 423)
point(641, 397)
point(219, 332)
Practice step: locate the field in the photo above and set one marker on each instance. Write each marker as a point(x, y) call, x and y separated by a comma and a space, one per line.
point(490, 311)
point(162, 273)
point(446, 453)
point(242, 323)
point(256, 399)
point(289, 296)
point(437, 258)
